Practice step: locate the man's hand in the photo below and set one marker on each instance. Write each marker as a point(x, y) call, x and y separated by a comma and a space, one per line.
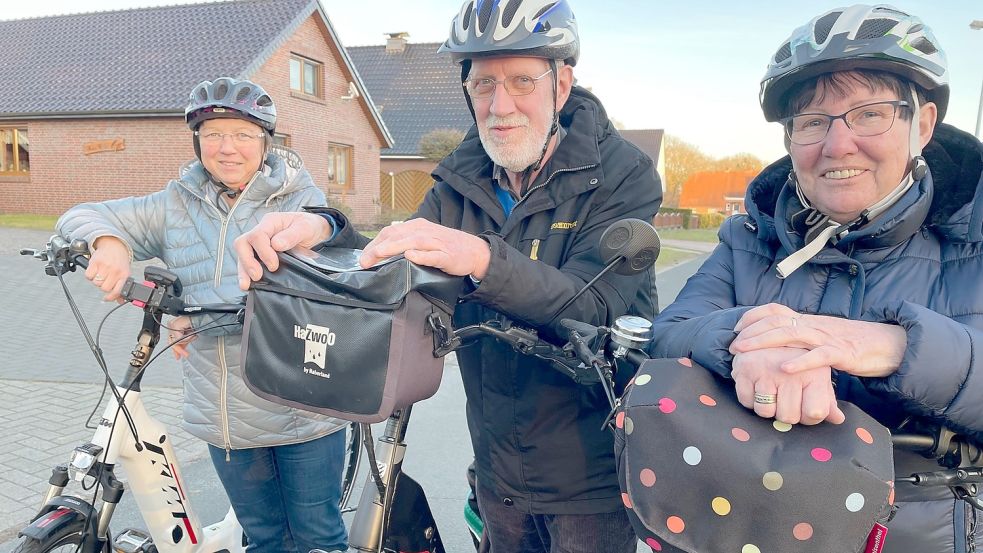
point(276, 232)
point(860, 348)
point(177, 334)
point(453, 251)
point(109, 266)
point(806, 397)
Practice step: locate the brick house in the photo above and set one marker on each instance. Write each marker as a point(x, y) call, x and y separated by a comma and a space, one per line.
point(92, 105)
point(417, 91)
point(716, 191)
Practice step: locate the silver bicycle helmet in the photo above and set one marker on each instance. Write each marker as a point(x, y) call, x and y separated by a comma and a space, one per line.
point(226, 97)
point(536, 28)
point(878, 38)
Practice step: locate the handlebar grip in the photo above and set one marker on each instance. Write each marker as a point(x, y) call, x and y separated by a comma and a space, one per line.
point(636, 357)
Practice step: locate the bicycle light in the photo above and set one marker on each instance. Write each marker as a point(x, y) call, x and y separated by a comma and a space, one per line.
point(82, 461)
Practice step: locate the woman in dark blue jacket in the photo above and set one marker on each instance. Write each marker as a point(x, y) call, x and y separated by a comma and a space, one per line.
point(857, 272)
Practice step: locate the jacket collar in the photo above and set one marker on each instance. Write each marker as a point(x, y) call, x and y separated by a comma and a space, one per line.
point(949, 198)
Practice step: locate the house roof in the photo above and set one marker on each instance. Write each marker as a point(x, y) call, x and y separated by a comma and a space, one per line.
point(142, 61)
point(415, 90)
point(707, 189)
point(647, 140)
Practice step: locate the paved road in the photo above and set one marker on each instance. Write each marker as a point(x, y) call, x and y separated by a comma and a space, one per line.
point(49, 384)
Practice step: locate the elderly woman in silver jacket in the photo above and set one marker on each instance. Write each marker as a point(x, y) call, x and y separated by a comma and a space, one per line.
point(280, 467)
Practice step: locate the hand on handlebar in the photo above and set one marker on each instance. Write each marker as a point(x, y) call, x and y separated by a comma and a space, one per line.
point(276, 232)
point(177, 334)
point(109, 266)
point(805, 397)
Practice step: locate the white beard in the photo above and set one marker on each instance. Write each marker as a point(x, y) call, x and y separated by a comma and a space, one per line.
point(515, 153)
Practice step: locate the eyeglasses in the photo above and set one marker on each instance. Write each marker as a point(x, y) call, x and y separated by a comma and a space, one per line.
point(866, 120)
point(239, 138)
point(516, 85)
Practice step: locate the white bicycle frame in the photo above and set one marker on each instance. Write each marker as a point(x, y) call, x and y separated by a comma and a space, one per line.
point(157, 484)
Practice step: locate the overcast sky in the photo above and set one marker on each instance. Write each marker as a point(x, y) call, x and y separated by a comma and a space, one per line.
point(691, 67)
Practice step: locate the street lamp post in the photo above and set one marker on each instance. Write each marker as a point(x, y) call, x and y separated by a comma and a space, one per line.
point(976, 25)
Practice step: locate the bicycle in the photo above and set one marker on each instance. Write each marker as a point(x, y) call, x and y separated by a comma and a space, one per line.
point(128, 436)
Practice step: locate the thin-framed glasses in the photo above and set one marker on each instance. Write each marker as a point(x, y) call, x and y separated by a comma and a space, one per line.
point(516, 85)
point(240, 138)
point(866, 120)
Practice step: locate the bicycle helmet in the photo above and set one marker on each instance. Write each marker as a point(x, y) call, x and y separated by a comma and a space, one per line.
point(230, 98)
point(878, 38)
point(535, 28)
point(700, 472)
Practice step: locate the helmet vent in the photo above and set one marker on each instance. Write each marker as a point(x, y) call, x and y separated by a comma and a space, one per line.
point(545, 9)
point(510, 8)
point(243, 92)
point(467, 16)
point(824, 25)
point(924, 46)
point(264, 101)
point(202, 94)
point(221, 90)
point(484, 14)
point(783, 53)
point(875, 28)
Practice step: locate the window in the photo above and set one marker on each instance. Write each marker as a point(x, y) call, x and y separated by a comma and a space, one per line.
point(281, 140)
point(339, 166)
point(15, 152)
point(305, 76)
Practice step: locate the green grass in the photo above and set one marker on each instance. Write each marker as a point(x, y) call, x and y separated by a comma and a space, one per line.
point(697, 235)
point(670, 257)
point(24, 220)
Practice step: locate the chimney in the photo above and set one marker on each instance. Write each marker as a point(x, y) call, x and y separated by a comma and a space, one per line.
point(396, 43)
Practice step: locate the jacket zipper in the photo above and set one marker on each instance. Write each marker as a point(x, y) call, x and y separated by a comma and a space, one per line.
point(548, 179)
point(220, 343)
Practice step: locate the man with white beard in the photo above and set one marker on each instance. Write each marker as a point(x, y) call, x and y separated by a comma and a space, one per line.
point(519, 207)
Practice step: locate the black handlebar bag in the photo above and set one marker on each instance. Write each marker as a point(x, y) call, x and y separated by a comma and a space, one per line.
point(323, 335)
point(699, 472)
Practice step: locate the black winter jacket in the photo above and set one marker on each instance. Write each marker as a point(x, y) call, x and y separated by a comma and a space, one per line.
point(918, 265)
point(536, 434)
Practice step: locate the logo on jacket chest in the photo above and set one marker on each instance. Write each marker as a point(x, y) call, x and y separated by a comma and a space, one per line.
point(316, 341)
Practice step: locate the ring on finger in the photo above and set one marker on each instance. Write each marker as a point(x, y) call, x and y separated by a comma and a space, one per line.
point(765, 399)
point(99, 278)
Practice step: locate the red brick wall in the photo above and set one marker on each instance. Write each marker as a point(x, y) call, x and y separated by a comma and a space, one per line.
point(155, 148)
point(314, 123)
point(62, 175)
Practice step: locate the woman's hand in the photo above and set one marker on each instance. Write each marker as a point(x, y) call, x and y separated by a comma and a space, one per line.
point(109, 266)
point(805, 397)
point(860, 348)
point(177, 334)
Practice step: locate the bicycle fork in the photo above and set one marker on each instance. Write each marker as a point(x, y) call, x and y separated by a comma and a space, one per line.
point(393, 514)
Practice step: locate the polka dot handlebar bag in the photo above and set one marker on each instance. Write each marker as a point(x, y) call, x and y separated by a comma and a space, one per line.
point(700, 473)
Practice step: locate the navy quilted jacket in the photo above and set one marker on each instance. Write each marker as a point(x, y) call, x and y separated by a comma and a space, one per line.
point(919, 265)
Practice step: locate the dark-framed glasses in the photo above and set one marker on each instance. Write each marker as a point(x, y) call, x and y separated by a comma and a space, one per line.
point(516, 85)
point(240, 138)
point(866, 120)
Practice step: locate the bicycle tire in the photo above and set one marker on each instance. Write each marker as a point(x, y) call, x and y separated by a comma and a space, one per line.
point(65, 540)
point(353, 459)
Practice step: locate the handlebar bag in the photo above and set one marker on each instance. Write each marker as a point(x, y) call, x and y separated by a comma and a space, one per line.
point(699, 472)
point(323, 335)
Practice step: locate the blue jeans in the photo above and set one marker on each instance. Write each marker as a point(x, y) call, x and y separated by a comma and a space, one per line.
point(286, 497)
point(508, 530)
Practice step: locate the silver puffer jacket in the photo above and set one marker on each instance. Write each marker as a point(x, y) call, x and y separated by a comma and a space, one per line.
point(184, 227)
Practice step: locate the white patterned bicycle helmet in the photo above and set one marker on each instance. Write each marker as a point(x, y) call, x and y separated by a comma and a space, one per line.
point(226, 97)
point(880, 38)
point(535, 28)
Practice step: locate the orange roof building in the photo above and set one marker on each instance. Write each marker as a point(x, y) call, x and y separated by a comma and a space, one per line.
point(716, 191)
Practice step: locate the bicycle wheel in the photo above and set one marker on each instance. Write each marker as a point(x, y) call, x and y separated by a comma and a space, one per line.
point(353, 459)
point(64, 541)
